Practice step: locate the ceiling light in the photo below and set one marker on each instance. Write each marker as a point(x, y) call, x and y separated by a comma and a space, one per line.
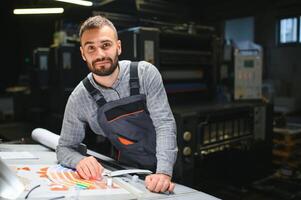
point(38, 11)
point(79, 2)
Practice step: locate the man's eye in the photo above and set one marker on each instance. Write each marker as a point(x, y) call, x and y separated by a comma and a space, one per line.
point(106, 45)
point(90, 48)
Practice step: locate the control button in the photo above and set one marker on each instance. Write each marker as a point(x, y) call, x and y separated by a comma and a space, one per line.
point(187, 136)
point(187, 151)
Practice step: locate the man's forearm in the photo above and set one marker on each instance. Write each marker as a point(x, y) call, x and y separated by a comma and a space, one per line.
point(67, 156)
point(166, 151)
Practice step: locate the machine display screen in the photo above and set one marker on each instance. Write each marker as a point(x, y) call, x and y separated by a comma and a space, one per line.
point(249, 63)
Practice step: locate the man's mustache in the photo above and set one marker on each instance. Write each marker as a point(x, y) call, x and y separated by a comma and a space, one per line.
point(101, 60)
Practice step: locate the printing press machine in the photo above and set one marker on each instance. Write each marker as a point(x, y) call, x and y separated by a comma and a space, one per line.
point(46, 156)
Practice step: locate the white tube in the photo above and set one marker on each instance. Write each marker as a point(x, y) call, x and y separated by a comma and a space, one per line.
point(45, 137)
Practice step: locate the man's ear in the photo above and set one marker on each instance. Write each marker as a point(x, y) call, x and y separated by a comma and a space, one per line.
point(82, 53)
point(119, 47)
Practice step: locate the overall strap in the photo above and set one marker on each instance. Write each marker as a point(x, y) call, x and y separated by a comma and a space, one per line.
point(134, 79)
point(95, 93)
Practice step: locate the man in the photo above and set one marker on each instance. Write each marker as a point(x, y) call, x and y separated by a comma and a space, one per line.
point(123, 101)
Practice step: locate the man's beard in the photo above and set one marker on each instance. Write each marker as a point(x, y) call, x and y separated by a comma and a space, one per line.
point(104, 71)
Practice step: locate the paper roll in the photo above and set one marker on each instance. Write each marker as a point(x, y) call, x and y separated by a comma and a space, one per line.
point(45, 137)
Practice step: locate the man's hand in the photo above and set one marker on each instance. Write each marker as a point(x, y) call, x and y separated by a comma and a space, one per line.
point(89, 168)
point(159, 183)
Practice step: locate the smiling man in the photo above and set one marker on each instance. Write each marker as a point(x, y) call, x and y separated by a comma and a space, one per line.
point(124, 101)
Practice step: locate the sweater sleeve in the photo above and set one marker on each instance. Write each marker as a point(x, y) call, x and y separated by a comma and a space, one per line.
point(72, 134)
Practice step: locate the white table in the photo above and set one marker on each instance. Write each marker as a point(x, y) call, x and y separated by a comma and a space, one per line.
point(47, 156)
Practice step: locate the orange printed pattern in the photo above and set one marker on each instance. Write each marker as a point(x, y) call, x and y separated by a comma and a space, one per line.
point(57, 187)
point(24, 168)
point(43, 172)
point(64, 178)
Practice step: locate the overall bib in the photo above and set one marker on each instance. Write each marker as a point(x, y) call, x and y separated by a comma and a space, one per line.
point(127, 124)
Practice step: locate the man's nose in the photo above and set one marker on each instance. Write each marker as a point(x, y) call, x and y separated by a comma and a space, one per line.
point(100, 53)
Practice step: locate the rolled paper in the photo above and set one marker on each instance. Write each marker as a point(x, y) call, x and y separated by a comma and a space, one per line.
point(45, 137)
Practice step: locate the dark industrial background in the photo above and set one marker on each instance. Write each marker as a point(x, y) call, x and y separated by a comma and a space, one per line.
point(230, 148)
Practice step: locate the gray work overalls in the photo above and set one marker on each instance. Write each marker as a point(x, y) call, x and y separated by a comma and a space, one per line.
point(127, 124)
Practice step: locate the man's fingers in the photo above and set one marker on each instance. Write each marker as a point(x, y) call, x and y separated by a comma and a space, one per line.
point(97, 167)
point(165, 186)
point(159, 185)
point(86, 170)
point(100, 169)
point(152, 183)
point(147, 180)
point(81, 173)
point(171, 187)
point(93, 168)
point(89, 168)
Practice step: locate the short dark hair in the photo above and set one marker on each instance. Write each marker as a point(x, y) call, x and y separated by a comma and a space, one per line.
point(96, 22)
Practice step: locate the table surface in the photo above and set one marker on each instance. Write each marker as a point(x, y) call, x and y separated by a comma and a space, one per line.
point(46, 156)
